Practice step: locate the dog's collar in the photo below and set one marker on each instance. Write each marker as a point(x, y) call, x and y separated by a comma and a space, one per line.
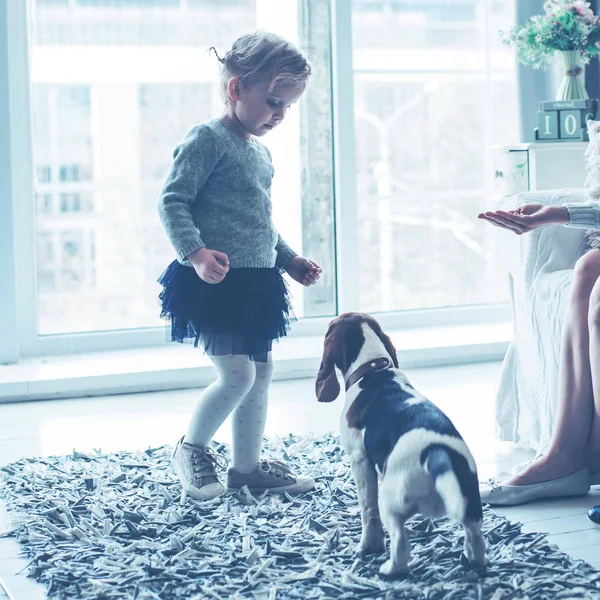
point(377, 364)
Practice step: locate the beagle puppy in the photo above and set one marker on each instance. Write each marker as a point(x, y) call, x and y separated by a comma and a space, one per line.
point(395, 436)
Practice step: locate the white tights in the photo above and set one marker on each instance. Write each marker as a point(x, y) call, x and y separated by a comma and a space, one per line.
point(242, 387)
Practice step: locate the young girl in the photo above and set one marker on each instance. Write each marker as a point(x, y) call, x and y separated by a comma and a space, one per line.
point(226, 291)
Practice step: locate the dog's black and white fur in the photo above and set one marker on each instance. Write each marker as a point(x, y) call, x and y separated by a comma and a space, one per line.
point(394, 434)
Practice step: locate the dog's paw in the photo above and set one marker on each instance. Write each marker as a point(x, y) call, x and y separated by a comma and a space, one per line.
point(372, 544)
point(372, 540)
point(474, 553)
point(474, 562)
point(389, 569)
point(363, 551)
point(373, 547)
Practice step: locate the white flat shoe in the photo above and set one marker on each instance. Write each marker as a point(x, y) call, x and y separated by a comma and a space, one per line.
point(498, 494)
point(594, 478)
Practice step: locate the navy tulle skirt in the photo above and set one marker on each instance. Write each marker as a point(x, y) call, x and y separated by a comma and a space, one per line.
point(241, 315)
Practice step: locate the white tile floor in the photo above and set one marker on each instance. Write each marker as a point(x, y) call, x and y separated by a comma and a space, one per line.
point(128, 422)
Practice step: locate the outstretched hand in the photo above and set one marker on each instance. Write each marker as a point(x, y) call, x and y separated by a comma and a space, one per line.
point(526, 218)
point(302, 270)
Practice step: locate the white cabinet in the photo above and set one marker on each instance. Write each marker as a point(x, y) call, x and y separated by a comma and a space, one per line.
point(534, 167)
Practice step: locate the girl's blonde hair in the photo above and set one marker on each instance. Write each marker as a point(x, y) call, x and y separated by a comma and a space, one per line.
point(263, 57)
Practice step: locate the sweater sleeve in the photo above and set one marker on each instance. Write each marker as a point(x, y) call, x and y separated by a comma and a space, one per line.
point(284, 252)
point(194, 159)
point(583, 215)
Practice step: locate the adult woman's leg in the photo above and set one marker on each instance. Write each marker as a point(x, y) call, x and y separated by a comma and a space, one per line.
point(568, 451)
point(594, 329)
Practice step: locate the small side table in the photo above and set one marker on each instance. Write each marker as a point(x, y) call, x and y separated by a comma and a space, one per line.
point(539, 166)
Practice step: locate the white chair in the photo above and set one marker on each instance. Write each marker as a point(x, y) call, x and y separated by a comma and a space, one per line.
point(540, 265)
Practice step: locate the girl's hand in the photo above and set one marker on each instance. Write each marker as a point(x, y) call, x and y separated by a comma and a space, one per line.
point(210, 265)
point(303, 271)
point(527, 217)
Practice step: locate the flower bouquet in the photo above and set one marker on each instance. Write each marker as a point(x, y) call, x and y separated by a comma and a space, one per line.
point(569, 30)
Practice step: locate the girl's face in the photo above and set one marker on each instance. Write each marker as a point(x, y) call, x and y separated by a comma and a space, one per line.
point(259, 110)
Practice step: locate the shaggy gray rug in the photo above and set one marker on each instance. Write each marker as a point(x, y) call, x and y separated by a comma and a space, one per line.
point(112, 526)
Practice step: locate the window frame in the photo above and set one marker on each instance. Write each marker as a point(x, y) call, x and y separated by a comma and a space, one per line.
point(9, 340)
point(18, 306)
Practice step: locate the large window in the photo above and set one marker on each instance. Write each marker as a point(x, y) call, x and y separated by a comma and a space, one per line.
point(116, 85)
point(434, 90)
point(380, 170)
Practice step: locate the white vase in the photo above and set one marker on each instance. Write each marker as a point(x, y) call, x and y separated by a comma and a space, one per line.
point(572, 86)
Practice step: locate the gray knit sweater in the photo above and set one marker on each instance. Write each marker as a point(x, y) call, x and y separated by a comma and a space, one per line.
point(218, 195)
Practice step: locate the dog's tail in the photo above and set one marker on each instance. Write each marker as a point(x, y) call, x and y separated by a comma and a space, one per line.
point(437, 461)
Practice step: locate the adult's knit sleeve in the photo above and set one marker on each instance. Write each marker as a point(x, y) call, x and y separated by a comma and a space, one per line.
point(583, 215)
point(194, 159)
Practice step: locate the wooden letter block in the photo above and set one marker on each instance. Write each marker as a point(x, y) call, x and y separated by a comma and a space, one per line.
point(548, 125)
point(570, 124)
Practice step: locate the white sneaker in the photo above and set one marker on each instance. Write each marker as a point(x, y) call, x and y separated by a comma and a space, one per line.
point(196, 468)
point(270, 475)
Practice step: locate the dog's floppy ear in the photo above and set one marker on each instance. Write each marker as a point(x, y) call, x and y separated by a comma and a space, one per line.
point(327, 385)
